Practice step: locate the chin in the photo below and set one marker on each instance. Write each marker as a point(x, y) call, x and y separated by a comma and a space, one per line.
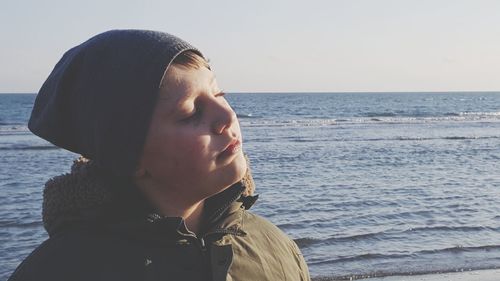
point(241, 167)
point(235, 171)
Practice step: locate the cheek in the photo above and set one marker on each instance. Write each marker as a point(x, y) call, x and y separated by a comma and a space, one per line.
point(192, 152)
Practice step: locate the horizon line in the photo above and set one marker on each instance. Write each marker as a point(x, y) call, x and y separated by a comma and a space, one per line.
point(316, 92)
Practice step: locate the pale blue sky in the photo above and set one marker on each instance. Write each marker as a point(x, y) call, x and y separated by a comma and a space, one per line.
point(267, 46)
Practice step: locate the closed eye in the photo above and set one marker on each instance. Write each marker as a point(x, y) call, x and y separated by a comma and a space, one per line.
point(196, 113)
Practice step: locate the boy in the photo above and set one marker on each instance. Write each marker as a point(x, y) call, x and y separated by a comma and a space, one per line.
point(163, 187)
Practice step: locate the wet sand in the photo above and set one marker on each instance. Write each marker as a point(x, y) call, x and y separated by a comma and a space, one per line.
point(477, 275)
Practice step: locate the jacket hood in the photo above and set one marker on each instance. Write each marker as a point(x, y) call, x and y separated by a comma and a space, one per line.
point(88, 196)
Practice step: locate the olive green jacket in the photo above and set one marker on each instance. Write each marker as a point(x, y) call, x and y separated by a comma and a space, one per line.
point(103, 230)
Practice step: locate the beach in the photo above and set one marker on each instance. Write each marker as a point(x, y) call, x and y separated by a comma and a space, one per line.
point(482, 275)
point(477, 275)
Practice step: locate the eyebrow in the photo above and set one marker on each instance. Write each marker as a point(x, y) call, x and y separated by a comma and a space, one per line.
point(190, 94)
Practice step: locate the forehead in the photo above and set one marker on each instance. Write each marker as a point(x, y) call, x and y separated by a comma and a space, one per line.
point(181, 84)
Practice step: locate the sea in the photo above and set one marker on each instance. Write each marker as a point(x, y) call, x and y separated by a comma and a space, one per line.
point(367, 184)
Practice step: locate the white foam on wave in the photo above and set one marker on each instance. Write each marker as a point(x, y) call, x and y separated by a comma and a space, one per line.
point(479, 113)
point(11, 129)
point(460, 117)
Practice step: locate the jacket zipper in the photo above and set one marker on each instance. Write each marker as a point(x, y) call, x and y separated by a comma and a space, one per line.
point(203, 247)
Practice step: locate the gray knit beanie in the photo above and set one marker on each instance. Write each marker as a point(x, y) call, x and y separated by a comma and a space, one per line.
point(99, 99)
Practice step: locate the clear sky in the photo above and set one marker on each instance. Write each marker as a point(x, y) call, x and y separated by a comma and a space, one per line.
point(285, 46)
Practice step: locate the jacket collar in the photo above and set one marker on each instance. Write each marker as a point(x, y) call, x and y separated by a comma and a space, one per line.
point(223, 214)
point(88, 197)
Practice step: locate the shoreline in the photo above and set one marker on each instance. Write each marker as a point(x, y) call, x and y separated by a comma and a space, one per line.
point(473, 275)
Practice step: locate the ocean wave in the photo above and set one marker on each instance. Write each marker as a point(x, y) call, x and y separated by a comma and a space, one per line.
point(20, 224)
point(379, 114)
point(377, 256)
point(453, 228)
point(308, 241)
point(316, 122)
point(289, 123)
point(436, 138)
point(367, 256)
point(400, 138)
point(242, 115)
point(30, 147)
point(467, 113)
point(13, 128)
point(428, 114)
point(305, 242)
point(459, 249)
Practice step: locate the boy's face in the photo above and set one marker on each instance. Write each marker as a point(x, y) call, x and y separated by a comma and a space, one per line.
point(186, 152)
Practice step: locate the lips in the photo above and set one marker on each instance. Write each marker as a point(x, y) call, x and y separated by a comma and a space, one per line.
point(233, 147)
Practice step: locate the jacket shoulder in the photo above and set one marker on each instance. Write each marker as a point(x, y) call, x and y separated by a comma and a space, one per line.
point(270, 250)
point(75, 255)
point(252, 220)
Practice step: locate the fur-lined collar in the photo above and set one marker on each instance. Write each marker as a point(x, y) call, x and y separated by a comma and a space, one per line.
point(88, 196)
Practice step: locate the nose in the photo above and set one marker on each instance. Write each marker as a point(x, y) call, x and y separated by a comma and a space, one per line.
point(224, 117)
